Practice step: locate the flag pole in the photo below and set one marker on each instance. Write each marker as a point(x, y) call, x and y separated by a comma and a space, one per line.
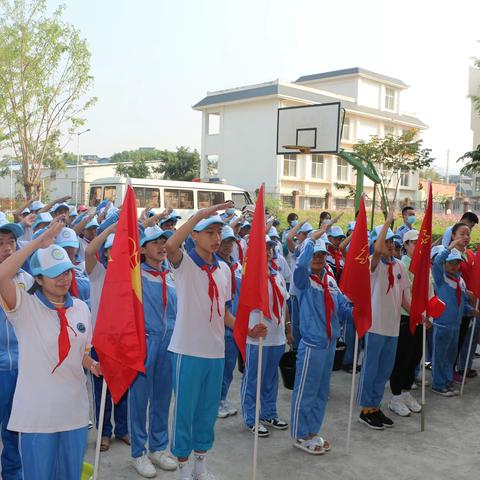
point(257, 401)
point(424, 356)
point(469, 351)
point(100, 429)
point(352, 392)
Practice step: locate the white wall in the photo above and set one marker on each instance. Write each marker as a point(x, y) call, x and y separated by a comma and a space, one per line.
point(246, 145)
point(365, 128)
point(341, 86)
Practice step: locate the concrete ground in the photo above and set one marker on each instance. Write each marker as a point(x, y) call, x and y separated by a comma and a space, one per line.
point(449, 448)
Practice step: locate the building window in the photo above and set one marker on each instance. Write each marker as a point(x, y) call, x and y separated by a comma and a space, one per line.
point(110, 193)
point(316, 202)
point(389, 98)
point(388, 130)
point(213, 123)
point(342, 170)
point(212, 165)
point(477, 184)
point(290, 165)
point(404, 179)
point(346, 129)
point(288, 201)
point(318, 166)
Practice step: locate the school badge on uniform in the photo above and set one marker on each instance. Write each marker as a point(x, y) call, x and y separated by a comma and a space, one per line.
point(81, 327)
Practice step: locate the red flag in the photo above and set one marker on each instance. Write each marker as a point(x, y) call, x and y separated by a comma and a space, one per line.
point(420, 267)
point(119, 336)
point(355, 281)
point(254, 290)
point(475, 284)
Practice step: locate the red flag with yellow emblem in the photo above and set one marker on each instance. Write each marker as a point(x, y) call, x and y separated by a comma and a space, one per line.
point(355, 282)
point(119, 335)
point(254, 290)
point(420, 267)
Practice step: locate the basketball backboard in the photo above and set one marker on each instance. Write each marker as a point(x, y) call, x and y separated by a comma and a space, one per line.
point(314, 128)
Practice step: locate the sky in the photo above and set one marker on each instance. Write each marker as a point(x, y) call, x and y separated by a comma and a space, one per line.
point(153, 59)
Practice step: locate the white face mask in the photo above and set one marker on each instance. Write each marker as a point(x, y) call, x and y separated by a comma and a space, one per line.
point(327, 221)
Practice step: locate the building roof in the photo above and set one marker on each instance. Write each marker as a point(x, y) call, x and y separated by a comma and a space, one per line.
point(352, 71)
point(294, 91)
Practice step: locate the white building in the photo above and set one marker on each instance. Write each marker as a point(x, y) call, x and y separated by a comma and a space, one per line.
point(239, 134)
point(474, 89)
point(59, 183)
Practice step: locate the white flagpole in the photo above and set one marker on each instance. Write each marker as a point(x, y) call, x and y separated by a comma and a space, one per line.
point(465, 368)
point(352, 392)
point(424, 356)
point(100, 429)
point(257, 401)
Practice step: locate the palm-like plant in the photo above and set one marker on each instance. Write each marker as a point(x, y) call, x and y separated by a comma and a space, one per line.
point(473, 161)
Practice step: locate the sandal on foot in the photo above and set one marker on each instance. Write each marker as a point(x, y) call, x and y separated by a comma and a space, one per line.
point(310, 446)
point(125, 439)
point(104, 444)
point(471, 373)
point(323, 443)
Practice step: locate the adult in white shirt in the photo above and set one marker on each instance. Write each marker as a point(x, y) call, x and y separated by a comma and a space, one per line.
point(50, 405)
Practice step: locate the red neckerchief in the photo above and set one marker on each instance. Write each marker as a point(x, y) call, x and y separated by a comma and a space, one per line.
point(391, 278)
point(240, 251)
point(459, 288)
point(274, 265)
point(212, 287)
point(163, 274)
point(63, 339)
point(233, 267)
point(337, 256)
point(278, 299)
point(73, 285)
point(328, 299)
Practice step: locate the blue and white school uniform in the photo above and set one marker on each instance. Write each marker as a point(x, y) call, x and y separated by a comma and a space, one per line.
point(198, 345)
point(316, 351)
point(154, 388)
point(381, 340)
point(273, 349)
point(11, 462)
point(231, 350)
point(53, 424)
point(446, 328)
point(294, 306)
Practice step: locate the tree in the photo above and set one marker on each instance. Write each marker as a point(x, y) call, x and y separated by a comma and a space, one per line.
point(473, 163)
point(138, 168)
point(393, 155)
point(45, 76)
point(180, 165)
point(430, 173)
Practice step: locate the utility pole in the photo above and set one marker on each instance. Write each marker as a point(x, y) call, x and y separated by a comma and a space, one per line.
point(448, 162)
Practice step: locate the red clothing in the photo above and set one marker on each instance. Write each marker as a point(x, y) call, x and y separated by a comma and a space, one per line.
point(466, 268)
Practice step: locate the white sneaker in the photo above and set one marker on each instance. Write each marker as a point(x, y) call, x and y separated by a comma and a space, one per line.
point(205, 476)
point(222, 410)
point(230, 408)
point(185, 471)
point(414, 386)
point(144, 466)
point(397, 406)
point(163, 460)
point(411, 402)
point(418, 381)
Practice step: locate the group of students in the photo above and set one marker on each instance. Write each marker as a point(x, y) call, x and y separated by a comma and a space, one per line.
point(53, 261)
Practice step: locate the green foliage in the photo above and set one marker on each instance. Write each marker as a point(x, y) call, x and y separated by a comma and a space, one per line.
point(392, 155)
point(180, 165)
point(430, 173)
point(69, 158)
point(473, 161)
point(183, 164)
point(45, 76)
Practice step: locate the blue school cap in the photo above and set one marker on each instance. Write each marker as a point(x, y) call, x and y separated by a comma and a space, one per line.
point(273, 232)
point(43, 217)
point(14, 228)
point(454, 255)
point(227, 232)
point(305, 228)
point(67, 238)
point(206, 222)
point(269, 240)
point(376, 231)
point(335, 232)
point(92, 223)
point(57, 206)
point(320, 246)
point(50, 262)
point(351, 226)
point(152, 233)
point(36, 205)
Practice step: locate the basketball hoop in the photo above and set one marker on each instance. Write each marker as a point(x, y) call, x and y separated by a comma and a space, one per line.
point(303, 149)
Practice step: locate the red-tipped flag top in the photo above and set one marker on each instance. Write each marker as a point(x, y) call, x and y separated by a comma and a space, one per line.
point(254, 290)
point(355, 282)
point(119, 336)
point(420, 267)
